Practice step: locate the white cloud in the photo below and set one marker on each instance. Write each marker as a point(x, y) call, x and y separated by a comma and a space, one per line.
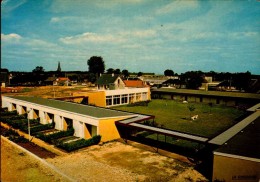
point(118, 37)
point(55, 19)
point(177, 6)
point(90, 37)
point(11, 38)
point(139, 33)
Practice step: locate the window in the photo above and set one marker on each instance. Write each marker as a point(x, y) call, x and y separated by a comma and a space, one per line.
point(131, 98)
point(116, 99)
point(144, 96)
point(138, 97)
point(124, 99)
point(109, 100)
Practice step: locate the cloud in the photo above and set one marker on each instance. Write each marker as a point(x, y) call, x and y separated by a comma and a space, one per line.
point(118, 37)
point(8, 6)
point(10, 38)
point(90, 37)
point(177, 6)
point(55, 19)
point(139, 33)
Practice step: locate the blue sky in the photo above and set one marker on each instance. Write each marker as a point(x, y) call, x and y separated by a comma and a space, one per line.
point(137, 35)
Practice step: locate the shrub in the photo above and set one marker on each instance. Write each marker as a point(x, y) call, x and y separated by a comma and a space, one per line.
point(52, 137)
point(17, 139)
point(8, 113)
point(79, 143)
point(13, 136)
point(40, 128)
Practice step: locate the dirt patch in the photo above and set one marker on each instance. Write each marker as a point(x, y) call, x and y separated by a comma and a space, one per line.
point(39, 151)
point(17, 165)
point(127, 162)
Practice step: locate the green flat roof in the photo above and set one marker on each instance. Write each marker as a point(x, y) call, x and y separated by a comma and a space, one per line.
point(92, 111)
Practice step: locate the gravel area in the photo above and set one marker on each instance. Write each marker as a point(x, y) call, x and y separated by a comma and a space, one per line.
point(114, 161)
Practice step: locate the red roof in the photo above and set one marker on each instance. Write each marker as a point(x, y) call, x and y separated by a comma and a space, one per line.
point(134, 83)
point(63, 79)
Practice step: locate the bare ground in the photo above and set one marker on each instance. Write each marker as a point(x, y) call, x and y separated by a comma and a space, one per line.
point(17, 165)
point(113, 161)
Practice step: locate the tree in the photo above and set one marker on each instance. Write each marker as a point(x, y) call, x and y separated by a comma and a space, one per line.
point(139, 74)
point(125, 73)
point(193, 79)
point(38, 69)
point(110, 70)
point(117, 71)
point(168, 72)
point(242, 80)
point(96, 65)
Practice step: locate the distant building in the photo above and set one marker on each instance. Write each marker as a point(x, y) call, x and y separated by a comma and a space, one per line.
point(112, 90)
point(4, 77)
point(50, 80)
point(62, 81)
point(110, 82)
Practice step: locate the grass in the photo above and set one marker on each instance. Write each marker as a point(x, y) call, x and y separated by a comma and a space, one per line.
point(175, 115)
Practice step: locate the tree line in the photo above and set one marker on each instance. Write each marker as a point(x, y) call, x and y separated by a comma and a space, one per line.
point(96, 67)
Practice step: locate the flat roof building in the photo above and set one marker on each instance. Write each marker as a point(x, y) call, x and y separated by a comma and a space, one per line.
point(238, 158)
point(87, 121)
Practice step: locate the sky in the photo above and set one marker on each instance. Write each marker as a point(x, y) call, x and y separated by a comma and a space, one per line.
point(136, 35)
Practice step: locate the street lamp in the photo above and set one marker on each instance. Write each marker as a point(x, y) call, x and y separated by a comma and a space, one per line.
point(29, 132)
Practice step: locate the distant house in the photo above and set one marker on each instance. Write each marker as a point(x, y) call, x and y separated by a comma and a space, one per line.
point(50, 81)
point(110, 82)
point(154, 79)
point(62, 81)
point(173, 83)
point(226, 85)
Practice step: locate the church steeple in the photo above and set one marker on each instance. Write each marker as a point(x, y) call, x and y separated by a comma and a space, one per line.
point(59, 68)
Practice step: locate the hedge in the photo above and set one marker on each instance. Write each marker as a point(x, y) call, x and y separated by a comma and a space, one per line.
point(52, 137)
point(79, 143)
point(38, 128)
point(9, 113)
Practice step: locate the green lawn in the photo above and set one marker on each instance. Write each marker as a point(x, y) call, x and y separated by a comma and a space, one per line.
point(176, 116)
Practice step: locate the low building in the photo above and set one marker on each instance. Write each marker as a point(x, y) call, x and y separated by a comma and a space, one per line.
point(62, 81)
point(209, 97)
point(238, 158)
point(87, 121)
point(112, 91)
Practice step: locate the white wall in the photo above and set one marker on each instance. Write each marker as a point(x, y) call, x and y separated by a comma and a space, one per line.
point(79, 128)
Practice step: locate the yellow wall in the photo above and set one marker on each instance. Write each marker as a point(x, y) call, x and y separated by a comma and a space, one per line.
point(86, 132)
point(97, 98)
point(108, 130)
point(65, 126)
point(35, 116)
point(232, 169)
